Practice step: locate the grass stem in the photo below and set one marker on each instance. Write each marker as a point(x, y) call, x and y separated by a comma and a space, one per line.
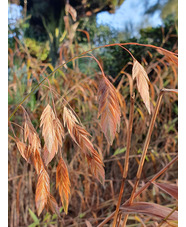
point(126, 163)
point(142, 188)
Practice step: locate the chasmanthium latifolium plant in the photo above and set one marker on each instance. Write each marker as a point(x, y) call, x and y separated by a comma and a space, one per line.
point(55, 129)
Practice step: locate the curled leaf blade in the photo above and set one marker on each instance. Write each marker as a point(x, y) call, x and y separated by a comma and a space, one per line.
point(71, 10)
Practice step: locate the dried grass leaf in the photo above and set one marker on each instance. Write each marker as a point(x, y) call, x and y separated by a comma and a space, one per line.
point(52, 132)
point(42, 191)
point(63, 183)
point(109, 109)
point(151, 209)
point(71, 10)
point(171, 189)
point(140, 74)
point(80, 137)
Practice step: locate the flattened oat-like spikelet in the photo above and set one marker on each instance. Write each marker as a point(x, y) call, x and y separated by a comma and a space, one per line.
point(30, 155)
point(63, 183)
point(31, 152)
point(30, 134)
point(59, 131)
point(42, 191)
point(52, 205)
point(52, 132)
point(96, 166)
point(24, 150)
point(48, 131)
point(80, 137)
point(140, 74)
point(47, 156)
point(109, 109)
point(37, 161)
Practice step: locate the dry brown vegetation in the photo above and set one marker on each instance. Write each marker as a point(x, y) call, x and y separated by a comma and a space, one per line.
point(100, 150)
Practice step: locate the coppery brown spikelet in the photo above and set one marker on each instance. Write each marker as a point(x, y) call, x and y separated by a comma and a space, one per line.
point(30, 134)
point(52, 205)
point(42, 191)
point(109, 109)
point(140, 74)
point(48, 130)
point(80, 137)
point(52, 132)
point(24, 150)
point(63, 183)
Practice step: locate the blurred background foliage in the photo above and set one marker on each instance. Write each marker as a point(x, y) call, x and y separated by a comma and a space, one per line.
point(42, 22)
point(44, 34)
